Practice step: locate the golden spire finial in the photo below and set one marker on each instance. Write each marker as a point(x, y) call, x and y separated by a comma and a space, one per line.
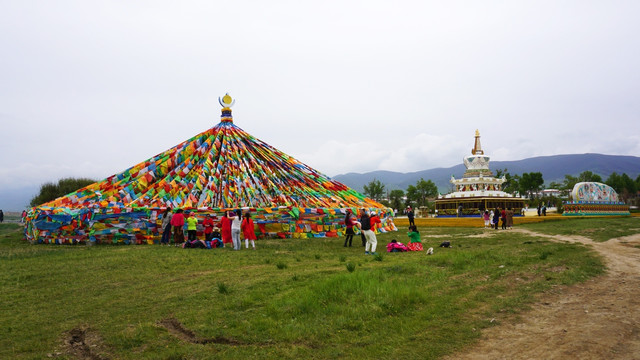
point(477, 148)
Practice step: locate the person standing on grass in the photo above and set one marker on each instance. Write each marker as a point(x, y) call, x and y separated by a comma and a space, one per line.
point(248, 230)
point(1, 216)
point(496, 218)
point(235, 229)
point(491, 218)
point(207, 224)
point(349, 221)
point(225, 228)
point(192, 223)
point(411, 216)
point(503, 215)
point(486, 218)
point(365, 226)
point(375, 221)
point(539, 208)
point(166, 226)
point(509, 218)
point(177, 222)
point(415, 244)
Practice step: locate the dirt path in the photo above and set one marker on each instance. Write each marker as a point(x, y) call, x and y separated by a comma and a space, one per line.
point(598, 319)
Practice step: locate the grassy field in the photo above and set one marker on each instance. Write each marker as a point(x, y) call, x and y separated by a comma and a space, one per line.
point(596, 228)
point(288, 299)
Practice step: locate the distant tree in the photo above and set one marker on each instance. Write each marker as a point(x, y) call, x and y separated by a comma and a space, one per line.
point(511, 184)
point(555, 185)
point(395, 197)
point(569, 182)
point(374, 190)
point(51, 191)
point(588, 176)
point(420, 193)
point(623, 185)
point(531, 182)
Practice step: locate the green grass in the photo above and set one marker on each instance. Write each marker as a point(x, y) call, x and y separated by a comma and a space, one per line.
point(327, 301)
point(595, 228)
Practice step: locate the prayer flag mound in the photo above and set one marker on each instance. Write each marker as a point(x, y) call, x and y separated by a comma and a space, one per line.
point(222, 168)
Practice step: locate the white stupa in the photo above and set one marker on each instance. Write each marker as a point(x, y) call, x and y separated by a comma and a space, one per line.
point(478, 180)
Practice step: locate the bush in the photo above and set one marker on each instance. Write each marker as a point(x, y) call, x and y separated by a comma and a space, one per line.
point(351, 267)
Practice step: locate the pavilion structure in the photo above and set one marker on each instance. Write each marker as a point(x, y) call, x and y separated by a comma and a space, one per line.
point(477, 190)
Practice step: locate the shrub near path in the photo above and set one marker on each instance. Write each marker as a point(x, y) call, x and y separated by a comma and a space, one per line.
point(597, 319)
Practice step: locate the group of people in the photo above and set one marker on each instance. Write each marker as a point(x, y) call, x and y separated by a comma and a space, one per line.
point(414, 244)
point(492, 218)
point(367, 223)
point(231, 225)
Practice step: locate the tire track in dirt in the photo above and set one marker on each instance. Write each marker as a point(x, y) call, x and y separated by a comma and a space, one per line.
point(597, 319)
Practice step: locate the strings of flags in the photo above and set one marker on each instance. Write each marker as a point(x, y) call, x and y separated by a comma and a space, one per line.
point(223, 168)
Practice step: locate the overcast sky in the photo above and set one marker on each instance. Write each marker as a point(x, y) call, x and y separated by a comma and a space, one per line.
point(90, 88)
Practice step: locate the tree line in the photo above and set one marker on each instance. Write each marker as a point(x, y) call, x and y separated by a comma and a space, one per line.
point(528, 184)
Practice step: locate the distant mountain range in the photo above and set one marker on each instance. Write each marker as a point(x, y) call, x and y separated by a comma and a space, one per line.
point(553, 168)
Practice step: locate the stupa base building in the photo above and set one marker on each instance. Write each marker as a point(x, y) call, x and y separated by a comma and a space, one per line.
point(594, 199)
point(221, 169)
point(477, 190)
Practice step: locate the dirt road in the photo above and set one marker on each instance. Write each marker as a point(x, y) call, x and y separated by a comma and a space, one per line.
point(599, 319)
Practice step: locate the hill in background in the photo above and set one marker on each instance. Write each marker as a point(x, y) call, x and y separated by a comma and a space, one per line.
point(553, 168)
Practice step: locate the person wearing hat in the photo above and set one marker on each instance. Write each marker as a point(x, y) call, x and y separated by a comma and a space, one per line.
point(349, 221)
point(375, 220)
point(216, 239)
point(365, 226)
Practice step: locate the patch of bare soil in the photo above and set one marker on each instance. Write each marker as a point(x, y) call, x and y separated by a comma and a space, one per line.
point(598, 319)
point(83, 343)
point(178, 330)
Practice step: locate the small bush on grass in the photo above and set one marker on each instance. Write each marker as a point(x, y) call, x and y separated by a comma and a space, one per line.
point(351, 267)
point(280, 265)
point(222, 288)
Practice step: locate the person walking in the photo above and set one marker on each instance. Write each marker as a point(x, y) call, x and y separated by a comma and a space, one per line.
point(248, 230)
point(236, 227)
point(365, 226)
point(166, 226)
point(349, 221)
point(177, 222)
